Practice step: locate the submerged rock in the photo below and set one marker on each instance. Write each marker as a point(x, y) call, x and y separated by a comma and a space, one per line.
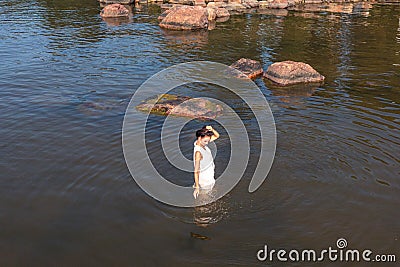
point(183, 106)
point(185, 18)
point(291, 72)
point(250, 68)
point(96, 107)
point(198, 236)
point(114, 11)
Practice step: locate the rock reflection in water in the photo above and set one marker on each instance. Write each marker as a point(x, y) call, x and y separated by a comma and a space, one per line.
point(361, 8)
point(222, 19)
point(307, 15)
point(117, 21)
point(186, 39)
point(294, 95)
point(273, 12)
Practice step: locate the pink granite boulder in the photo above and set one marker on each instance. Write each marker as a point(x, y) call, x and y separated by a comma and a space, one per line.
point(248, 67)
point(291, 72)
point(114, 11)
point(185, 18)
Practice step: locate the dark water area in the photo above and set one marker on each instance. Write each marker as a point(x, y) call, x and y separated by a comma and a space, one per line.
point(67, 197)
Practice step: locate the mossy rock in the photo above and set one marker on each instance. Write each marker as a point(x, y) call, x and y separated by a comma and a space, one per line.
point(183, 106)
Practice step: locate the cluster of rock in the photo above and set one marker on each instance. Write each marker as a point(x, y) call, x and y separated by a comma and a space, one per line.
point(202, 14)
point(282, 73)
point(218, 10)
point(238, 6)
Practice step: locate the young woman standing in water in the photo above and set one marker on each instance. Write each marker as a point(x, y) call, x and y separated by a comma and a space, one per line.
point(203, 160)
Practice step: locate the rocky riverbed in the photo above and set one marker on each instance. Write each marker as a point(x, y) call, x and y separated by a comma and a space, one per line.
point(201, 14)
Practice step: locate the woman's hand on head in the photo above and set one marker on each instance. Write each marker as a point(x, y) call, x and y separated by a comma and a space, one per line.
point(210, 128)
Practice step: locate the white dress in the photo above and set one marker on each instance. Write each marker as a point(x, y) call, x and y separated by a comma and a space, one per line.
point(206, 175)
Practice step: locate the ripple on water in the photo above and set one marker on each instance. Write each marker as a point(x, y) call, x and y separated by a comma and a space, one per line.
point(67, 77)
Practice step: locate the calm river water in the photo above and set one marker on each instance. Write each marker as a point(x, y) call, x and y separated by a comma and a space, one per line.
point(67, 197)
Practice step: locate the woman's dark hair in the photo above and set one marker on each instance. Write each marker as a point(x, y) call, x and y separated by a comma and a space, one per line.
point(203, 132)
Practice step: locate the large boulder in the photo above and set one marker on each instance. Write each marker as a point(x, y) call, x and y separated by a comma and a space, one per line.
point(184, 106)
point(235, 8)
point(251, 3)
point(222, 12)
point(291, 72)
point(276, 4)
point(167, 11)
point(250, 68)
point(114, 11)
point(185, 18)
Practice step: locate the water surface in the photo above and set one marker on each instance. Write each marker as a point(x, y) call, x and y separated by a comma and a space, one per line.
point(67, 196)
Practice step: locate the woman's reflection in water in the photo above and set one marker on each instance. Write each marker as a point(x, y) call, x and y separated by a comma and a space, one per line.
point(210, 213)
